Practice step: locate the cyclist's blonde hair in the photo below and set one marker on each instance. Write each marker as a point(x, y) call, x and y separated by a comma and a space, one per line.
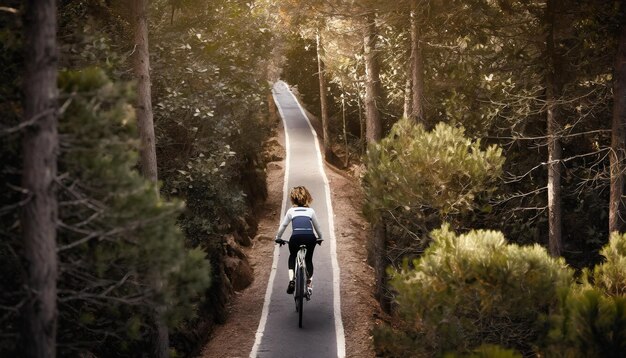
point(300, 196)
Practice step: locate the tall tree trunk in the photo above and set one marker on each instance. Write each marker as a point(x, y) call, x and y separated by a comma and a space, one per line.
point(145, 122)
point(617, 205)
point(40, 147)
point(343, 122)
point(323, 97)
point(553, 93)
point(380, 264)
point(361, 121)
point(161, 344)
point(373, 128)
point(407, 109)
point(147, 160)
point(417, 68)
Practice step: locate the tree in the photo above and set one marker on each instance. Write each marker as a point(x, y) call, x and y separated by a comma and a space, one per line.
point(323, 96)
point(115, 230)
point(617, 204)
point(210, 123)
point(414, 180)
point(553, 94)
point(40, 146)
point(148, 162)
point(373, 127)
point(417, 67)
point(145, 122)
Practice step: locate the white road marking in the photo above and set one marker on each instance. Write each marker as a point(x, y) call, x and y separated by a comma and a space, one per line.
point(341, 340)
point(339, 331)
point(270, 285)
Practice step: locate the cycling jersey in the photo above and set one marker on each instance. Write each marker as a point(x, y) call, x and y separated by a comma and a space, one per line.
point(303, 221)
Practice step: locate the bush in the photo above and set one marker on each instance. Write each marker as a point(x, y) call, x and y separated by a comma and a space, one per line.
point(472, 289)
point(591, 321)
point(590, 324)
point(610, 276)
point(417, 178)
point(442, 169)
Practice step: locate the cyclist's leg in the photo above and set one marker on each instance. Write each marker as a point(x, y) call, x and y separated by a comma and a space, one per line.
point(293, 251)
point(294, 246)
point(291, 262)
point(310, 248)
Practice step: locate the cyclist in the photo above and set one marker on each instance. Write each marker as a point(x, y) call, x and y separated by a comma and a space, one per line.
point(303, 221)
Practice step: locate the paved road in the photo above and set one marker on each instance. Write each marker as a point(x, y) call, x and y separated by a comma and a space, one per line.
point(322, 333)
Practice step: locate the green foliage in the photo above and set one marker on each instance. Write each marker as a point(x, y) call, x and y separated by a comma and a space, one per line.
point(209, 89)
point(208, 74)
point(416, 179)
point(210, 114)
point(610, 276)
point(590, 324)
point(484, 70)
point(442, 170)
point(591, 320)
point(116, 233)
point(300, 69)
point(471, 289)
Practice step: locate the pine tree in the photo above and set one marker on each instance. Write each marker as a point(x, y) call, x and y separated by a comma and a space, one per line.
point(39, 175)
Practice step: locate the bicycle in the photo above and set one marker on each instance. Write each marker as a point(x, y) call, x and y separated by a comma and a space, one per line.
point(301, 278)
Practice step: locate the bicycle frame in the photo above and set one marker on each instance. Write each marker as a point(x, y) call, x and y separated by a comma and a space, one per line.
point(301, 278)
point(301, 261)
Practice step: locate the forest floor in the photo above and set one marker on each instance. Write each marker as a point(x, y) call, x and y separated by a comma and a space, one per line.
point(359, 308)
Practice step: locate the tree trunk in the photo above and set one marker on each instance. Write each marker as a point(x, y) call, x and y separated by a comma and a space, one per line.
point(617, 205)
point(407, 111)
point(345, 130)
point(553, 93)
point(145, 122)
point(361, 121)
point(40, 147)
point(147, 159)
point(417, 68)
point(161, 344)
point(380, 264)
point(373, 129)
point(323, 98)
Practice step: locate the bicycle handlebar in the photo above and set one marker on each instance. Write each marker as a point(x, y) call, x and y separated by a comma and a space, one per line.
point(282, 242)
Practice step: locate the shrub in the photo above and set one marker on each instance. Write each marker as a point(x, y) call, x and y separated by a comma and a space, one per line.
point(472, 289)
point(610, 276)
point(417, 178)
point(440, 169)
point(591, 321)
point(590, 324)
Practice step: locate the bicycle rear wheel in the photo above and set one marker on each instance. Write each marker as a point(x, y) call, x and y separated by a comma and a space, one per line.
point(300, 292)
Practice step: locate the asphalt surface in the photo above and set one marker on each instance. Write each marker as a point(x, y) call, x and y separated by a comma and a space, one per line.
point(280, 336)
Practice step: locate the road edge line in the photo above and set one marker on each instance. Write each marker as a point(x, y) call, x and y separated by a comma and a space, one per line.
point(270, 285)
point(339, 330)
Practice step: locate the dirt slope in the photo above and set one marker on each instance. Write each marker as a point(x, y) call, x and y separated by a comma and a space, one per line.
point(236, 337)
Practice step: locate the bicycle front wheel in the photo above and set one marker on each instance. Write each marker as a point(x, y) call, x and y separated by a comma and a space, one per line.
point(300, 292)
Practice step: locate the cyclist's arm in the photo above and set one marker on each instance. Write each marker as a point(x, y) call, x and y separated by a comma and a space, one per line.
point(284, 224)
point(316, 225)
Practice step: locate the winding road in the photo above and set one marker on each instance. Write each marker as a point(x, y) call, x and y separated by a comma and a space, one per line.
point(322, 333)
